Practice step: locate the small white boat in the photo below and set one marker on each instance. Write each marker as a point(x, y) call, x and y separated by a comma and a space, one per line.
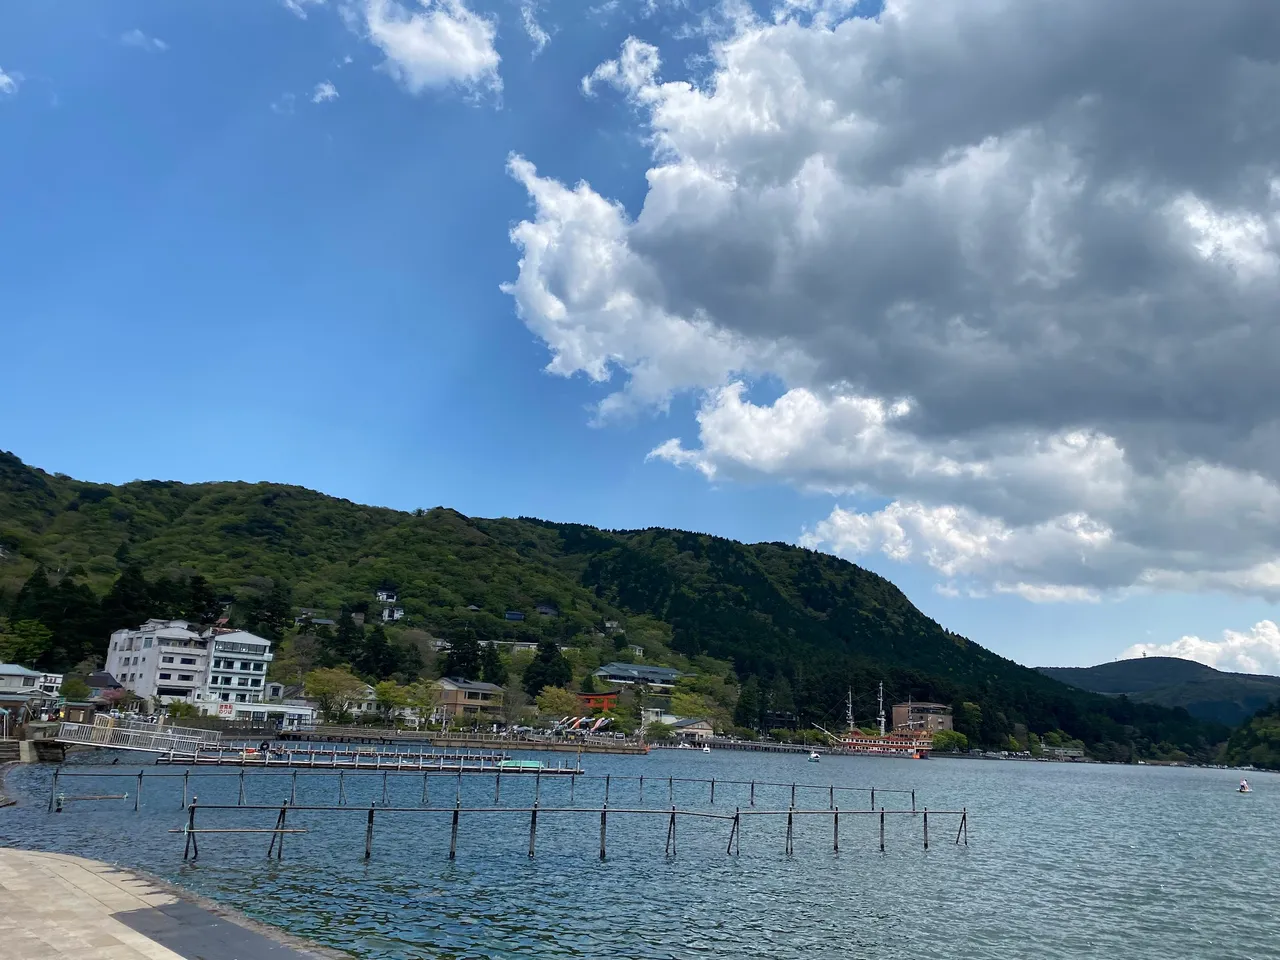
point(705, 748)
point(814, 757)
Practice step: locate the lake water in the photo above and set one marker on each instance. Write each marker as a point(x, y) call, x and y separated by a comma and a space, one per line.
point(1063, 861)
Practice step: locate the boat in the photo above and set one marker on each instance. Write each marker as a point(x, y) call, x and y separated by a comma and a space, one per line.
point(705, 748)
point(813, 756)
point(911, 745)
point(521, 765)
point(1244, 787)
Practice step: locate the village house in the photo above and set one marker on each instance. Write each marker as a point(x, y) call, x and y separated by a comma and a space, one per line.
point(660, 678)
point(694, 728)
point(468, 698)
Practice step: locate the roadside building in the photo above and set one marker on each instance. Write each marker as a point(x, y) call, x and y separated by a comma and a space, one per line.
point(164, 660)
point(237, 670)
point(100, 682)
point(922, 717)
point(18, 680)
point(51, 684)
point(632, 674)
point(694, 728)
point(468, 698)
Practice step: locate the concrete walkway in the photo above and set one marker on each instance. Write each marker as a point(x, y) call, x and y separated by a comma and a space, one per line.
point(54, 906)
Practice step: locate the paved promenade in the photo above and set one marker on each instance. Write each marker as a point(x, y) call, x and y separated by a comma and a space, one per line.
point(54, 906)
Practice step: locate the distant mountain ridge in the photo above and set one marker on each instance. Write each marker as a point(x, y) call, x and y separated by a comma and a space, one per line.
point(1205, 693)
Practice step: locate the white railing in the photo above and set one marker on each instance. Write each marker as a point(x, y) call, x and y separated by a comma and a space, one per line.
point(132, 735)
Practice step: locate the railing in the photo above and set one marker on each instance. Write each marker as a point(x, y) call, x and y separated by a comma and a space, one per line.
point(132, 735)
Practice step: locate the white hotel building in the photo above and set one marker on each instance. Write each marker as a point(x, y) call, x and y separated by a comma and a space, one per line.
point(167, 661)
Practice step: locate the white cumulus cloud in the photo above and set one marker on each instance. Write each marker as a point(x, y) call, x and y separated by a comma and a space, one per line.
point(8, 83)
point(1256, 650)
point(440, 43)
point(324, 92)
point(532, 28)
point(299, 7)
point(136, 38)
point(1013, 264)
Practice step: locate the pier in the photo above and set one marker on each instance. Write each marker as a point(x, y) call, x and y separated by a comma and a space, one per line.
point(480, 741)
point(338, 758)
point(117, 734)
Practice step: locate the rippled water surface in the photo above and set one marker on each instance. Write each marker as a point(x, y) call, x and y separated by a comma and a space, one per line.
point(1062, 861)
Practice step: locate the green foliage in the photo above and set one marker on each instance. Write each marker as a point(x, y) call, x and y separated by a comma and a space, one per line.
point(588, 684)
point(659, 732)
point(492, 669)
point(548, 669)
point(1257, 743)
point(799, 628)
point(950, 741)
point(181, 711)
point(334, 690)
point(463, 659)
point(74, 689)
point(24, 642)
point(557, 702)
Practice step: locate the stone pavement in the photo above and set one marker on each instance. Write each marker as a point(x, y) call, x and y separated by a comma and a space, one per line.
point(54, 906)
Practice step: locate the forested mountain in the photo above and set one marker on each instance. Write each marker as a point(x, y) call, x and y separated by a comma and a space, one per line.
point(799, 627)
point(1258, 741)
point(1229, 698)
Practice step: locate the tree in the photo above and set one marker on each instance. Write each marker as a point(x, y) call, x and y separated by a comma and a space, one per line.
point(558, 702)
point(746, 712)
point(128, 603)
point(181, 711)
point(463, 659)
point(377, 659)
point(515, 703)
point(588, 684)
point(492, 669)
point(950, 741)
point(348, 640)
point(73, 688)
point(391, 697)
point(548, 669)
point(423, 696)
point(24, 642)
point(658, 732)
point(333, 690)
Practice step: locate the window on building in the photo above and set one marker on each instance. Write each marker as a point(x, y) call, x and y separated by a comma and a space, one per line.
point(188, 661)
point(146, 644)
point(245, 665)
point(226, 696)
point(257, 681)
point(185, 676)
point(243, 682)
point(240, 698)
point(166, 659)
point(258, 667)
point(166, 676)
point(28, 681)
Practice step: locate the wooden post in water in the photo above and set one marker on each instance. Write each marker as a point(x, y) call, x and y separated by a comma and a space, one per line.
point(873, 798)
point(240, 802)
point(606, 789)
point(835, 830)
point(671, 833)
point(790, 819)
point(831, 801)
point(913, 799)
point(964, 826)
point(882, 829)
point(425, 798)
point(185, 775)
point(603, 814)
point(368, 835)
point(793, 796)
point(497, 789)
point(642, 788)
point(384, 789)
point(926, 828)
point(537, 786)
point(458, 796)
point(573, 782)
point(753, 793)
point(671, 790)
point(137, 797)
point(453, 837)
point(54, 792)
point(293, 788)
point(533, 828)
point(192, 847)
point(713, 791)
point(342, 788)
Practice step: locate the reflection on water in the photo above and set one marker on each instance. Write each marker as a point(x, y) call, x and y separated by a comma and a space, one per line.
point(1063, 862)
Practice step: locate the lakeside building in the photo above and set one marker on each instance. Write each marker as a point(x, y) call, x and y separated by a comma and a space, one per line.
point(924, 717)
point(51, 684)
point(694, 728)
point(168, 662)
point(163, 660)
point(15, 679)
point(661, 678)
point(468, 698)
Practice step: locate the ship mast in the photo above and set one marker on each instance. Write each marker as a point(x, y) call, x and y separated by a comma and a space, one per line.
point(848, 711)
point(882, 708)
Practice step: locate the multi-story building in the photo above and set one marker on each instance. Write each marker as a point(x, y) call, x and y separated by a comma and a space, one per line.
point(468, 698)
point(238, 667)
point(924, 717)
point(167, 661)
point(163, 660)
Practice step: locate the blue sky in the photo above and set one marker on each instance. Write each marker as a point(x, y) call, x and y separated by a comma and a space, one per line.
point(206, 275)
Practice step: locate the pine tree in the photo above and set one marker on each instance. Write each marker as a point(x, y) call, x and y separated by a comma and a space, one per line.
point(548, 669)
point(492, 669)
point(463, 659)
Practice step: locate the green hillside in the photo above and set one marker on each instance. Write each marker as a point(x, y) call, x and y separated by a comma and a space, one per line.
point(1258, 741)
point(1227, 698)
point(799, 628)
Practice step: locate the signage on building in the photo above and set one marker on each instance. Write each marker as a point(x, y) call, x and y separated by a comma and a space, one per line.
point(226, 709)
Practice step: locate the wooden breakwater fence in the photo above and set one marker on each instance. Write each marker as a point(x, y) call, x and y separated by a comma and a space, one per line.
point(608, 783)
point(335, 757)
